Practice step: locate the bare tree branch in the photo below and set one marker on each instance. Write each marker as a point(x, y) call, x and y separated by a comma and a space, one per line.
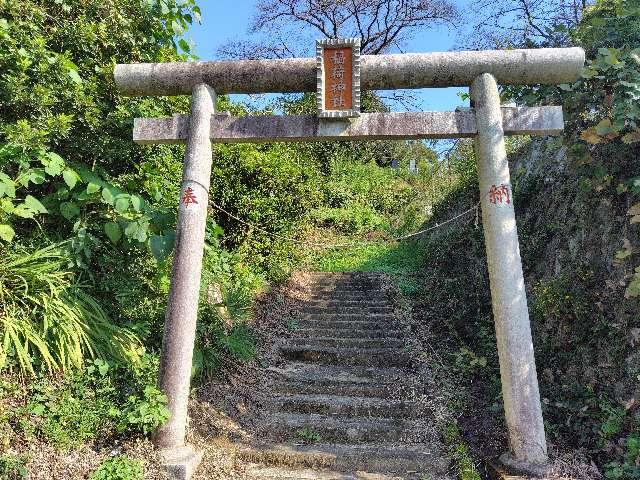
point(382, 25)
point(523, 23)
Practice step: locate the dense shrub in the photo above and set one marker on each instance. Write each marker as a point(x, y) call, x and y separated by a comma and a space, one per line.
point(119, 467)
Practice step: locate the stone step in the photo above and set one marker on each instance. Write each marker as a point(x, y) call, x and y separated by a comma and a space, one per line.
point(342, 373)
point(315, 428)
point(345, 406)
point(368, 309)
point(410, 462)
point(345, 279)
point(367, 390)
point(354, 332)
point(349, 297)
point(348, 342)
point(260, 472)
point(361, 315)
point(340, 324)
point(309, 378)
point(348, 289)
point(330, 303)
point(381, 357)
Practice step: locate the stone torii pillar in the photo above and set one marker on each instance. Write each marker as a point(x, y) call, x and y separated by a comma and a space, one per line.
point(486, 121)
point(182, 308)
point(513, 332)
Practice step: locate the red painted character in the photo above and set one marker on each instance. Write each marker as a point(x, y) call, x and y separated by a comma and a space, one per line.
point(500, 194)
point(189, 197)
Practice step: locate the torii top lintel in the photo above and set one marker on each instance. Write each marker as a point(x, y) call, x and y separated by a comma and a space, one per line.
point(378, 72)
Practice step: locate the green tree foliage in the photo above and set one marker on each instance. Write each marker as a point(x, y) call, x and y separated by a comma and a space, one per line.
point(66, 155)
point(69, 171)
point(603, 107)
point(603, 104)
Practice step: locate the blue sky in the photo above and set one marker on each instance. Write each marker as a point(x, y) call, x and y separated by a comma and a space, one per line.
point(224, 20)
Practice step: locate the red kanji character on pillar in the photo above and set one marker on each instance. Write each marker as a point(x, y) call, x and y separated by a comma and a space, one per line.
point(189, 197)
point(500, 194)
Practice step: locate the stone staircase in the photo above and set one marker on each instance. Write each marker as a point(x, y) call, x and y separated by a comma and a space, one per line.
point(343, 402)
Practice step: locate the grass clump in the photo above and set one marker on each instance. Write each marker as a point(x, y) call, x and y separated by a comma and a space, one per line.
point(460, 453)
point(47, 318)
point(119, 467)
point(13, 467)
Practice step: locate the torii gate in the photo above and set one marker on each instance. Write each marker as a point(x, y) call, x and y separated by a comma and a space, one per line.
point(486, 121)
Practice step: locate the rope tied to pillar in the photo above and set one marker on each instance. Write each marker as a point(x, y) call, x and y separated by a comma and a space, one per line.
point(474, 208)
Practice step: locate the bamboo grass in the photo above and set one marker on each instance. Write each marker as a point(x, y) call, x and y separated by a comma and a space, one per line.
point(47, 318)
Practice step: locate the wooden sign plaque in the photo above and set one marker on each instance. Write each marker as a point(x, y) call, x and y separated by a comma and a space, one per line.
point(338, 76)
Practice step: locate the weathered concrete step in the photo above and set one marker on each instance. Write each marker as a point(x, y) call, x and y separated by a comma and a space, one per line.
point(349, 297)
point(339, 373)
point(348, 324)
point(344, 406)
point(329, 281)
point(327, 387)
point(362, 315)
point(364, 309)
point(260, 472)
point(349, 342)
point(382, 357)
point(301, 377)
point(351, 290)
point(318, 330)
point(341, 303)
point(418, 461)
point(295, 427)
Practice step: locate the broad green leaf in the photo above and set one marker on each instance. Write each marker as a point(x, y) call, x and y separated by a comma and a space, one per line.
point(162, 245)
point(122, 203)
point(184, 45)
point(136, 202)
point(70, 177)
point(23, 211)
point(108, 194)
point(74, 76)
point(137, 230)
point(8, 185)
point(37, 176)
point(7, 205)
point(55, 165)
point(197, 14)
point(131, 230)
point(604, 127)
point(103, 368)
point(6, 232)
point(92, 188)
point(113, 231)
point(34, 204)
point(69, 210)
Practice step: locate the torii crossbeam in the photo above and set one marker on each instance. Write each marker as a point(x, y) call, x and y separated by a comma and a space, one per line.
point(486, 121)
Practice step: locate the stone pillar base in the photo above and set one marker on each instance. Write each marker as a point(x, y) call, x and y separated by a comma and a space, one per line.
point(508, 468)
point(518, 467)
point(180, 462)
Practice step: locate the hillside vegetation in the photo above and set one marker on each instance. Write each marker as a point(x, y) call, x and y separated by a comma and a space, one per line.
point(87, 223)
